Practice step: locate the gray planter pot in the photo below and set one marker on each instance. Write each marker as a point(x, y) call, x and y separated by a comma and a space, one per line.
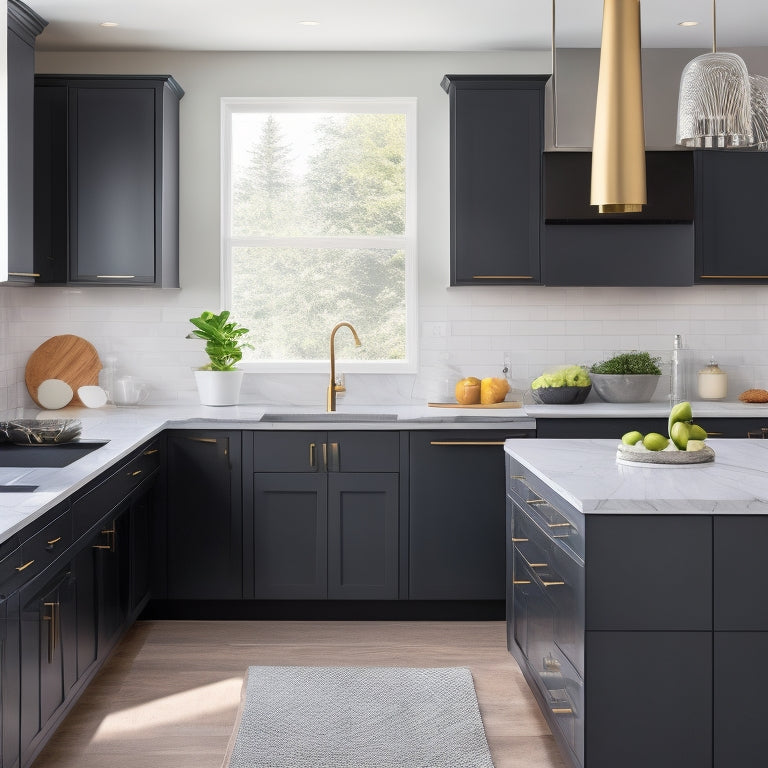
point(615, 388)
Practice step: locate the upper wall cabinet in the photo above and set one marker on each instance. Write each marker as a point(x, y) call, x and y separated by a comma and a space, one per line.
point(107, 180)
point(24, 25)
point(731, 221)
point(496, 142)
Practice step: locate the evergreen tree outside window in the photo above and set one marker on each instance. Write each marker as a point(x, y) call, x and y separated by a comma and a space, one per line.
point(318, 226)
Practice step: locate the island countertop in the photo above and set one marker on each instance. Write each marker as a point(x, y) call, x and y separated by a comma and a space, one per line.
point(586, 475)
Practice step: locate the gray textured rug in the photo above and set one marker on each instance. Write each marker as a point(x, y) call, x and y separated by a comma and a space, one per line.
point(359, 717)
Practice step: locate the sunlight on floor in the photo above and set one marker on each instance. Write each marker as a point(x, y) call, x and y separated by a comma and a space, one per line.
point(188, 706)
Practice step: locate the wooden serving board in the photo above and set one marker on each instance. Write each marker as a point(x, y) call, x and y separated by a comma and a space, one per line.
point(506, 404)
point(69, 358)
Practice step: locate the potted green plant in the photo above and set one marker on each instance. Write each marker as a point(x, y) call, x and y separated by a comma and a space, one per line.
point(629, 377)
point(219, 382)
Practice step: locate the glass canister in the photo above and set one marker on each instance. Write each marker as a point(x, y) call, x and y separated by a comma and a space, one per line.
point(713, 382)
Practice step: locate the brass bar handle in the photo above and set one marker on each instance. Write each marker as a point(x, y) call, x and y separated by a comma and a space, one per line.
point(203, 439)
point(325, 456)
point(312, 456)
point(115, 277)
point(136, 473)
point(515, 541)
point(112, 533)
point(466, 442)
point(517, 477)
point(552, 583)
point(537, 501)
point(51, 542)
point(151, 451)
point(562, 711)
point(21, 568)
point(101, 546)
point(521, 581)
point(334, 466)
point(502, 277)
point(23, 274)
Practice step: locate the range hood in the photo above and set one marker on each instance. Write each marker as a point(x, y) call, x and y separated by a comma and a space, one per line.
point(669, 180)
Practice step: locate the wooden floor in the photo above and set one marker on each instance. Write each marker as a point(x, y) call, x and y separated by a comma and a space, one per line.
point(168, 696)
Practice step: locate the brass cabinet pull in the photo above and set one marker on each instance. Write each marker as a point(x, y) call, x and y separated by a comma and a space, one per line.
point(151, 451)
point(562, 711)
point(467, 442)
point(325, 455)
point(334, 466)
point(54, 541)
point(537, 501)
point(23, 274)
point(515, 541)
point(53, 628)
point(21, 568)
point(112, 533)
point(502, 277)
point(517, 477)
point(312, 456)
point(521, 581)
point(136, 472)
point(552, 583)
point(202, 439)
point(115, 277)
point(101, 546)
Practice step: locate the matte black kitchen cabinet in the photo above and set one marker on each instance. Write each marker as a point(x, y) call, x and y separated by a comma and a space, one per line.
point(324, 515)
point(456, 534)
point(612, 427)
point(24, 25)
point(10, 679)
point(106, 179)
point(204, 515)
point(496, 143)
point(731, 225)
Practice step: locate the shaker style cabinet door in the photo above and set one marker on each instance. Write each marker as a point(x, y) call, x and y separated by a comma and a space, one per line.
point(496, 142)
point(106, 179)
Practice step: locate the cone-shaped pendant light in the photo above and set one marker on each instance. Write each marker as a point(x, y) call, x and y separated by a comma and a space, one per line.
point(618, 148)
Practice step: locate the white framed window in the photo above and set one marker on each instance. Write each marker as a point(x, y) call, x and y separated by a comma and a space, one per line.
point(318, 225)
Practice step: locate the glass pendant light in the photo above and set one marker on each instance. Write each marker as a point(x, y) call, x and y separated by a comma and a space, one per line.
point(713, 108)
point(759, 99)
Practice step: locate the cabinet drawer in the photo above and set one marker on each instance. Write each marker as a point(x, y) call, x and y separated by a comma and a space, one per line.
point(91, 507)
point(40, 550)
point(10, 575)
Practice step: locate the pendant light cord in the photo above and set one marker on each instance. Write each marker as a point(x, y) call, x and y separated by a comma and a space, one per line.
point(554, 82)
point(714, 26)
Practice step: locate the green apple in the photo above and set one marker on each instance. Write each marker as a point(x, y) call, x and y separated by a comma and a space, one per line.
point(680, 434)
point(653, 441)
point(698, 433)
point(695, 445)
point(681, 412)
point(630, 438)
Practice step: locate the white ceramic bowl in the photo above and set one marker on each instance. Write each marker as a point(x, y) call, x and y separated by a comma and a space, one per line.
point(617, 388)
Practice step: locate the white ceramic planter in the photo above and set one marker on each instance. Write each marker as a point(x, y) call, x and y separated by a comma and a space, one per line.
point(616, 388)
point(219, 387)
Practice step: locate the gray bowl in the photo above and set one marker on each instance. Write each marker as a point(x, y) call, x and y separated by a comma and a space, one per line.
point(560, 395)
point(617, 388)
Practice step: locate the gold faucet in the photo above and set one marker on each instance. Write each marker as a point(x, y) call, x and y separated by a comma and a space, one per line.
point(332, 387)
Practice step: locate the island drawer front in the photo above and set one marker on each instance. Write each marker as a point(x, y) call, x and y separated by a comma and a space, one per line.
point(563, 529)
point(740, 575)
point(111, 491)
point(556, 577)
point(40, 550)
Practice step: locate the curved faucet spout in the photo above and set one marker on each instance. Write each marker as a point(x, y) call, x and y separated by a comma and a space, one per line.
point(331, 399)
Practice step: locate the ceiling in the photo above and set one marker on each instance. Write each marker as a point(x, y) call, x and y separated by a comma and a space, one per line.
point(380, 25)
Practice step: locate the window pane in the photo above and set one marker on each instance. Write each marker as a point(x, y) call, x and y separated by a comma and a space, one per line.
point(317, 174)
point(291, 298)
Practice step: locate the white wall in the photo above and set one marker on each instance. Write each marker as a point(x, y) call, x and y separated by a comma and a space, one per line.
point(470, 328)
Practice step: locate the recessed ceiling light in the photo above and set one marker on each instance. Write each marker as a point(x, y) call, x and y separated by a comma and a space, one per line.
point(310, 23)
point(109, 24)
point(687, 23)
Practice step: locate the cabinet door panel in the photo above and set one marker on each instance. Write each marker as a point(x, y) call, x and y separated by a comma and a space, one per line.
point(740, 578)
point(362, 536)
point(205, 523)
point(288, 451)
point(114, 184)
point(741, 679)
point(290, 514)
point(649, 572)
point(457, 511)
point(496, 141)
point(648, 700)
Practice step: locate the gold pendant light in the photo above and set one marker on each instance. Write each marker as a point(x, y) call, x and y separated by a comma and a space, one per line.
point(618, 147)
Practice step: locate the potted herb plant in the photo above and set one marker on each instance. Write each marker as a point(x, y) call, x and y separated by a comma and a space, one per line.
point(219, 382)
point(629, 377)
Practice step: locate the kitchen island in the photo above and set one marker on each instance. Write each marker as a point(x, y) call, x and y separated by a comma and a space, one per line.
point(636, 601)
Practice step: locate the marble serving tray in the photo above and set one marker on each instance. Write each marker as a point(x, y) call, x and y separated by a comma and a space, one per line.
point(626, 454)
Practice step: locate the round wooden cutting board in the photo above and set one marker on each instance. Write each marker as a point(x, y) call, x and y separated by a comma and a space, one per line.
point(69, 358)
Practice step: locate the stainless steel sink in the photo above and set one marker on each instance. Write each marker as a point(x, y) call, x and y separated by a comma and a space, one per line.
point(334, 416)
point(48, 456)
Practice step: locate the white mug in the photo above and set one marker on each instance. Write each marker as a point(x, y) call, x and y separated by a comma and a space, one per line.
point(129, 391)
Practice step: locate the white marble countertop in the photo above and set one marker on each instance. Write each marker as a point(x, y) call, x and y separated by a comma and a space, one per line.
point(127, 428)
point(585, 473)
